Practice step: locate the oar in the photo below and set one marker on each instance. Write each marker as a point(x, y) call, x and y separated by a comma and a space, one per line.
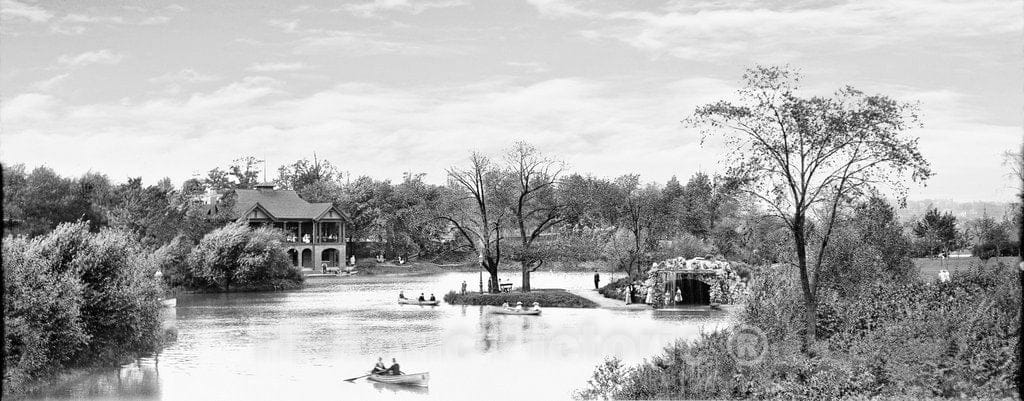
point(354, 378)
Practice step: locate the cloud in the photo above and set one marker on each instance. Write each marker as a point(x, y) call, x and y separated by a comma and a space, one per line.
point(11, 9)
point(277, 67)
point(363, 43)
point(28, 107)
point(104, 56)
point(186, 75)
point(48, 84)
point(375, 8)
point(701, 31)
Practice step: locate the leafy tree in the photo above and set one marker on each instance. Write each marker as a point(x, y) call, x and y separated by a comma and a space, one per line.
point(304, 175)
point(804, 155)
point(243, 173)
point(640, 216)
point(236, 254)
point(936, 232)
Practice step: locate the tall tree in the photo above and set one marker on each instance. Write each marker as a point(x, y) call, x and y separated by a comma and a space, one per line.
point(805, 155)
point(640, 215)
point(477, 205)
point(536, 208)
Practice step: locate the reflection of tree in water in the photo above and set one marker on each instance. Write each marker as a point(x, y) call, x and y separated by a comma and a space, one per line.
point(139, 380)
point(498, 331)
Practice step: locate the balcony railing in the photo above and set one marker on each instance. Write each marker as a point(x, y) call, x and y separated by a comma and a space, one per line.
point(326, 239)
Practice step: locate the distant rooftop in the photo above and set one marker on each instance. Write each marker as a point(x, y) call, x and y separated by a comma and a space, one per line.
point(281, 204)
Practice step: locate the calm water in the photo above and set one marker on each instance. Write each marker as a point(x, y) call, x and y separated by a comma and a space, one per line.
point(302, 344)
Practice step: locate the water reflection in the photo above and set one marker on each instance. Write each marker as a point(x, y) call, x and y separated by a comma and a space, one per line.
point(301, 344)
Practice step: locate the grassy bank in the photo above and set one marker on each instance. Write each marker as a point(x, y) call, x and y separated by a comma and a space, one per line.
point(930, 267)
point(272, 285)
point(912, 340)
point(548, 298)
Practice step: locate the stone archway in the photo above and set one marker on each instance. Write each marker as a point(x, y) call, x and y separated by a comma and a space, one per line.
point(693, 291)
point(330, 256)
point(307, 258)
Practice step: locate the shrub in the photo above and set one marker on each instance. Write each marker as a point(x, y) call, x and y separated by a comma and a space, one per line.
point(236, 254)
point(41, 314)
point(75, 298)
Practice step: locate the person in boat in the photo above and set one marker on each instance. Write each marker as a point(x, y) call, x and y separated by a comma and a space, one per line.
point(421, 299)
point(432, 299)
point(519, 305)
point(536, 306)
point(505, 305)
point(394, 369)
point(401, 295)
point(379, 368)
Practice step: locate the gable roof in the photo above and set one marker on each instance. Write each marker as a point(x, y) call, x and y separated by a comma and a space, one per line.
point(281, 204)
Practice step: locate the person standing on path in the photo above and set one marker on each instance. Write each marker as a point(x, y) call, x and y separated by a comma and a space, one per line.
point(597, 280)
point(463, 287)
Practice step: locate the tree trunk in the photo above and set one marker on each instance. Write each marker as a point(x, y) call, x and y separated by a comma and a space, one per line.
point(810, 304)
point(526, 275)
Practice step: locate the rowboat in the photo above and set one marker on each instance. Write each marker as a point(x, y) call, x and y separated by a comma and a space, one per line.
point(415, 302)
point(414, 379)
point(169, 302)
point(510, 311)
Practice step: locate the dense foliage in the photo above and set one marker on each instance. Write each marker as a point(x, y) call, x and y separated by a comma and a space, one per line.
point(904, 339)
point(76, 298)
point(238, 255)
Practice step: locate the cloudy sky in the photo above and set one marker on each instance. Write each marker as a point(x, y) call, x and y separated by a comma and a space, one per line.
point(154, 89)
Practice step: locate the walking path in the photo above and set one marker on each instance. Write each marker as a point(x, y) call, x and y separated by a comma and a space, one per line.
point(607, 303)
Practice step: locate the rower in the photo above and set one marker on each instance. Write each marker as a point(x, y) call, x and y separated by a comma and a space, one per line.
point(401, 295)
point(421, 299)
point(432, 299)
point(536, 306)
point(394, 370)
point(519, 305)
point(379, 368)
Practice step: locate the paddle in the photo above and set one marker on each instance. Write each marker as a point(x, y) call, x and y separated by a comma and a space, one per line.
point(354, 378)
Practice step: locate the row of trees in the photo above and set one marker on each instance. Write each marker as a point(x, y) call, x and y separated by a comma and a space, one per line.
point(938, 233)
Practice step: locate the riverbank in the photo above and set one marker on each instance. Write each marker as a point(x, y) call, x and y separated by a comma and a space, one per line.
point(547, 298)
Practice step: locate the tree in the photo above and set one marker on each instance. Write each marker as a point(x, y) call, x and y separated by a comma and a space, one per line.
point(640, 215)
point(937, 232)
point(304, 174)
point(476, 204)
point(236, 254)
point(536, 208)
point(804, 157)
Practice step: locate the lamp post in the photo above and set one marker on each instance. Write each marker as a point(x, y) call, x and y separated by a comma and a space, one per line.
point(481, 264)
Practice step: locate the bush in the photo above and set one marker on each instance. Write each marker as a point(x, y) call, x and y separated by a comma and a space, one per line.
point(236, 254)
point(903, 340)
point(74, 298)
point(41, 314)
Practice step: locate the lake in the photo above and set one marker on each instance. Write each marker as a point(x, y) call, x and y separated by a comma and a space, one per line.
point(302, 344)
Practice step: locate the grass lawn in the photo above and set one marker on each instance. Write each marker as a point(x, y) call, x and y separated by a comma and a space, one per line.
point(930, 266)
point(556, 298)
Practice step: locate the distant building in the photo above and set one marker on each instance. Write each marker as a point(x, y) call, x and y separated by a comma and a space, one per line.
point(314, 232)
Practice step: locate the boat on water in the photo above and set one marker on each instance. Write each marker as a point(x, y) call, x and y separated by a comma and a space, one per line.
point(169, 302)
point(412, 379)
point(513, 311)
point(402, 301)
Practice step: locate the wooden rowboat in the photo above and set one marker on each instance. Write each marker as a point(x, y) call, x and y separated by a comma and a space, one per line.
point(413, 379)
point(510, 311)
point(169, 302)
point(415, 302)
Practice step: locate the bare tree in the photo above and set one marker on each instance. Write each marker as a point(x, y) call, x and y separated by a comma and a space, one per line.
point(477, 209)
point(535, 207)
point(801, 155)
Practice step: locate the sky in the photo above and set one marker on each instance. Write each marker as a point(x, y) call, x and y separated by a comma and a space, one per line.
point(172, 89)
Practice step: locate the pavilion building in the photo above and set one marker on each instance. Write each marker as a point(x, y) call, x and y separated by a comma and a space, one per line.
point(314, 232)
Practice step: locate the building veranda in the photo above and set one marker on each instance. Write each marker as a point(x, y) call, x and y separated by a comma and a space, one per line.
point(314, 232)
